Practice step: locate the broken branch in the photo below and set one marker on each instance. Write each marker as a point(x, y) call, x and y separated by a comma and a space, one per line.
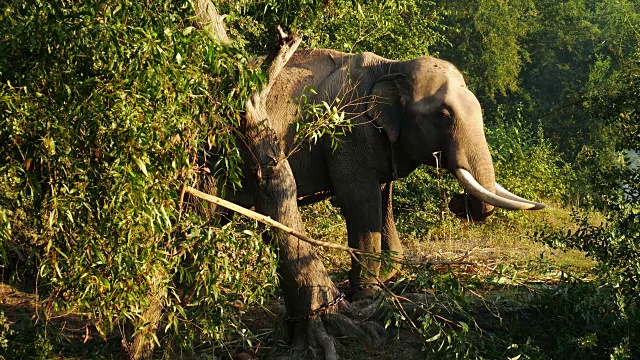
point(266, 220)
point(210, 20)
point(269, 221)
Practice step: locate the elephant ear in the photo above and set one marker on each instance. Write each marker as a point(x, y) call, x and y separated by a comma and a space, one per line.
point(387, 103)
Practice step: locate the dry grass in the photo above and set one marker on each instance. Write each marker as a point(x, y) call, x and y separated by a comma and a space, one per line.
point(507, 238)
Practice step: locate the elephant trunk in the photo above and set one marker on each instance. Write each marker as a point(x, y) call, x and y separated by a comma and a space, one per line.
point(472, 157)
point(474, 170)
point(484, 192)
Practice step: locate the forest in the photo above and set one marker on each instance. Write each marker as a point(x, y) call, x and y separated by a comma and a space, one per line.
point(113, 113)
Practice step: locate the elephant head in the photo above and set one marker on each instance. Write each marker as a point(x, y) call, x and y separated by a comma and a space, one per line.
point(429, 115)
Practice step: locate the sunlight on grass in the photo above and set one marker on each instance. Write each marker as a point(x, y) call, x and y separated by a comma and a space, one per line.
point(506, 238)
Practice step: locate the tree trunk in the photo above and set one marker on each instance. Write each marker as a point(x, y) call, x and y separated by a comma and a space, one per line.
point(308, 290)
point(141, 345)
point(304, 280)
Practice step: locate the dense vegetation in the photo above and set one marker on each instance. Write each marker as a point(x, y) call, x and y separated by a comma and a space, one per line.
point(106, 107)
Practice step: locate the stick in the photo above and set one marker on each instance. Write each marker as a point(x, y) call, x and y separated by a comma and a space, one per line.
point(269, 221)
point(266, 220)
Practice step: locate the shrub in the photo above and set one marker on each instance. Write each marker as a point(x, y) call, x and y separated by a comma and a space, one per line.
point(5, 330)
point(526, 162)
point(104, 110)
point(615, 245)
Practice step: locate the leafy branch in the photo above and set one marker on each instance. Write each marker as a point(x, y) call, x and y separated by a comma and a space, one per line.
point(329, 120)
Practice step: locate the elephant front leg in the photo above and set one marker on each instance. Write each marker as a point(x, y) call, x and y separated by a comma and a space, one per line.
point(390, 238)
point(362, 208)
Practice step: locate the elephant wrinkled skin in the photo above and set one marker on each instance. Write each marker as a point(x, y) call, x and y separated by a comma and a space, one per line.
point(406, 113)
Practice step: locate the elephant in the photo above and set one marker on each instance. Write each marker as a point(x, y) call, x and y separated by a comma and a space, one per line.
point(403, 112)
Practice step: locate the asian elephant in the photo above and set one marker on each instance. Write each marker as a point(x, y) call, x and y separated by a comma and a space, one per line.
point(404, 112)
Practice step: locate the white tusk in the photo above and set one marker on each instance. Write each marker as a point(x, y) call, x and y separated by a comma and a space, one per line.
point(500, 191)
point(474, 188)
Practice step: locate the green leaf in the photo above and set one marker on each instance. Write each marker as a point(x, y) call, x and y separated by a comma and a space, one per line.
point(434, 337)
point(141, 165)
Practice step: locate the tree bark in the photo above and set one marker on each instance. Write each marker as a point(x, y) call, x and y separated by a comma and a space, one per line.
point(304, 280)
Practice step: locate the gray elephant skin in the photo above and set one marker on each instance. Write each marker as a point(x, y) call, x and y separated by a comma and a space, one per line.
point(405, 113)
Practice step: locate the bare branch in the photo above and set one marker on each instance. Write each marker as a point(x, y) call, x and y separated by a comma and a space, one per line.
point(269, 221)
point(279, 58)
point(210, 20)
point(265, 220)
point(275, 62)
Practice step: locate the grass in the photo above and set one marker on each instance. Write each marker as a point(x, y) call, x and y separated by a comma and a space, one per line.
point(507, 238)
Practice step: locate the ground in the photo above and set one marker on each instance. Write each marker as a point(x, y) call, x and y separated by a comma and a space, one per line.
point(482, 304)
point(500, 281)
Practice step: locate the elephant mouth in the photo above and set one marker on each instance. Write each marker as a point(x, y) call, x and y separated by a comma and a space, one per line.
point(502, 198)
point(461, 206)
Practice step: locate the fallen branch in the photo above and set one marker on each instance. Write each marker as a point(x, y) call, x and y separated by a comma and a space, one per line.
point(269, 221)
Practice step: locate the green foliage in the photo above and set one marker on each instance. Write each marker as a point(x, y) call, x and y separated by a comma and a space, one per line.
point(420, 200)
point(525, 162)
point(104, 109)
point(487, 43)
point(323, 120)
point(615, 245)
point(548, 59)
point(106, 106)
point(5, 330)
point(501, 25)
point(513, 312)
point(443, 337)
point(611, 105)
point(574, 35)
point(394, 29)
point(580, 47)
point(224, 272)
point(571, 320)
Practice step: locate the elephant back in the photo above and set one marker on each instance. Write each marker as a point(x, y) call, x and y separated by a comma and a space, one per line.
point(306, 70)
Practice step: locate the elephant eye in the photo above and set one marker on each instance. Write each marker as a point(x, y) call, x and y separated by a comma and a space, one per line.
point(446, 115)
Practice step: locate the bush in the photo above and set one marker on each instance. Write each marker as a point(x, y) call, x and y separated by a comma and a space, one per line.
point(420, 200)
point(5, 330)
point(615, 245)
point(104, 110)
point(526, 162)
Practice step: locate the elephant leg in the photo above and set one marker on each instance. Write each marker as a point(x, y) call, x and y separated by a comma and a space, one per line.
point(390, 238)
point(361, 206)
